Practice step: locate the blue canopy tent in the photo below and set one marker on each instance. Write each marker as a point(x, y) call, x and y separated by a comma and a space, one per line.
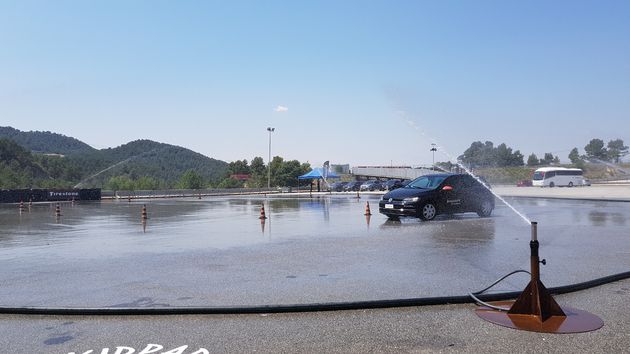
point(318, 173)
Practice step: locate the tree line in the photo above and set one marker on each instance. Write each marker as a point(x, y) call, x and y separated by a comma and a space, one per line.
point(595, 150)
point(239, 174)
point(480, 155)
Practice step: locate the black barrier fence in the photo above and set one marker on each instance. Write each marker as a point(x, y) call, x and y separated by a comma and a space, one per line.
point(47, 195)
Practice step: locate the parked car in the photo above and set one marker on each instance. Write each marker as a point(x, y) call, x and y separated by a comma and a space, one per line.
point(371, 185)
point(337, 186)
point(431, 195)
point(352, 186)
point(392, 184)
point(524, 183)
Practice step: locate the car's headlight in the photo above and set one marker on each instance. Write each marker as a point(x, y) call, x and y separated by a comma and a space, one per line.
point(383, 197)
point(414, 199)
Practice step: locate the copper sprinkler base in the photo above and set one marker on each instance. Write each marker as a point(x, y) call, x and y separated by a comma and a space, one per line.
point(535, 309)
point(574, 321)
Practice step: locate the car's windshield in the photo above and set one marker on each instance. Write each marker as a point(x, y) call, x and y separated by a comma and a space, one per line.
point(426, 182)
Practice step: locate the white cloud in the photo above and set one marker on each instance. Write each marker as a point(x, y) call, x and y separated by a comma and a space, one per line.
point(281, 108)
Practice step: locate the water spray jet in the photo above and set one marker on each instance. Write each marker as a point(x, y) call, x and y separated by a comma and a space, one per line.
point(78, 185)
point(535, 309)
point(444, 151)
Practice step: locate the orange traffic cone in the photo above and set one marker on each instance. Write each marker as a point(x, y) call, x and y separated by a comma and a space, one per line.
point(21, 207)
point(144, 212)
point(367, 209)
point(262, 212)
point(58, 210)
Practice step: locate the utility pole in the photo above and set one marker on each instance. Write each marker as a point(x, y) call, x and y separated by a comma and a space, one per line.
point(433, 150)
point(270, 130)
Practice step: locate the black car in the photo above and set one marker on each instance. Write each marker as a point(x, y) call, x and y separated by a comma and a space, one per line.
point(430, 195)
point(392, 184)
point(352, 186)
point(337, 186)
point(371, 185)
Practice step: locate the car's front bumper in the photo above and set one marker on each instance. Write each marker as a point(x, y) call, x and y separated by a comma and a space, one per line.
point(397, 208)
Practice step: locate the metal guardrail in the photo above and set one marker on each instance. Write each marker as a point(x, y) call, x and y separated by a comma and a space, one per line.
point(183, 193)
point(610, 181)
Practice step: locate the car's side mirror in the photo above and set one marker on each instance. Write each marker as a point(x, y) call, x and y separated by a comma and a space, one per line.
point(447, 188)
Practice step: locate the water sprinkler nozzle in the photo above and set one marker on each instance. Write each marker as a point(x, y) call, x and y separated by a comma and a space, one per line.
point(534, 231)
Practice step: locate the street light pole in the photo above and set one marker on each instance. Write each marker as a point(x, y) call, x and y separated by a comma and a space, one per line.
point(270, 130)
point(433, 150)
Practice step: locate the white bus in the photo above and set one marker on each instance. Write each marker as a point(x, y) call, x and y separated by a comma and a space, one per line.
point(557, 177)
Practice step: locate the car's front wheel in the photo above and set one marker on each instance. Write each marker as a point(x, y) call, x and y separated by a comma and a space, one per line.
point(485, 209)
point(427, 211)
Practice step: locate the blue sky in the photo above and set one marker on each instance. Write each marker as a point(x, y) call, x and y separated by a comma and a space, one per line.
point(363, 82)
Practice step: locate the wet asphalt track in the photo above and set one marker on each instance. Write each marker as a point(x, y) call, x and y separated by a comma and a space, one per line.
point(215, 252)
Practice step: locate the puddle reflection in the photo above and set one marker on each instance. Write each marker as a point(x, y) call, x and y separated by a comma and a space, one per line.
point(599, 218)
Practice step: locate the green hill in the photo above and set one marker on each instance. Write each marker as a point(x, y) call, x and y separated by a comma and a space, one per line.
point(88, 167)
point(18, 167)
point(146, 158)
point(45, 142)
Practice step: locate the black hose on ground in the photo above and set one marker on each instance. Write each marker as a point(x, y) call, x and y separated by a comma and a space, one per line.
point(332, 306)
